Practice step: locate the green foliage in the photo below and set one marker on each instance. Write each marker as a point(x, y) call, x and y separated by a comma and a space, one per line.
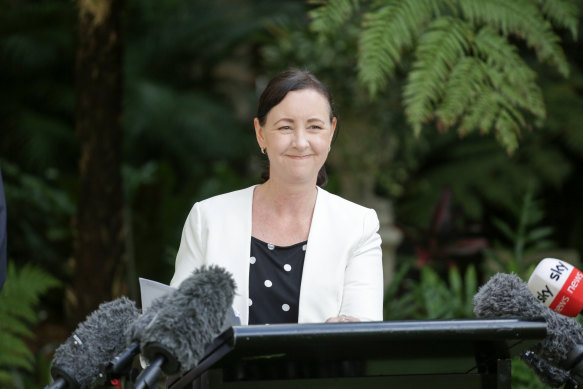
point(465, 69)
point(18, 302)
point(431, 297)
point(528, 237)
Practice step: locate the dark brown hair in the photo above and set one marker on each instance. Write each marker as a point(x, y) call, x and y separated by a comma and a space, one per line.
point(275, 92)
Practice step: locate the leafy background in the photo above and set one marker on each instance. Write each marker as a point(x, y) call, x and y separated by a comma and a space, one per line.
point(465, 197)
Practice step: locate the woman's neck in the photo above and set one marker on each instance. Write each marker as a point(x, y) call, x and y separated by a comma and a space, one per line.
point(284, 200)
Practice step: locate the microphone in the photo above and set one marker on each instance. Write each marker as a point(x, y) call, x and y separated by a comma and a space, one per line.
point(555, 283)
point(121, 363)
point(187, 322)
point(76, 362)
point(557, 358)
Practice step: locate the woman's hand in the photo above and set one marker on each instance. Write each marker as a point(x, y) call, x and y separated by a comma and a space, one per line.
point(341, 319)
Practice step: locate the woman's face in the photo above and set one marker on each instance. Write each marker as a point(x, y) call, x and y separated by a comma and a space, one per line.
point(297, 135)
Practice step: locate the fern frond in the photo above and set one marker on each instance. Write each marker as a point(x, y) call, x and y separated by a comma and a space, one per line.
point(491, 112)
point(331, 15)
point(387, 32)
point(15, 325)
point(439, 49)
point(19, 297)
point(522, 19)
point(490, 90)
point(22, 291)
point(507, 131)
point(15, 353)
point(466, 81)
point(509, 74)
point(483, 113)
point(562, 13)
point(6, 379)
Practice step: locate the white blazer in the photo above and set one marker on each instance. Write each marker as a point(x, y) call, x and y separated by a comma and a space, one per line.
point(342, 273)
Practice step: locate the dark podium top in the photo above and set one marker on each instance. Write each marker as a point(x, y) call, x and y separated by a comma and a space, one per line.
point(432, 354)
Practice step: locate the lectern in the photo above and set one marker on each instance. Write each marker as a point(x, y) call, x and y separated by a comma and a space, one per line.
point(471, 353)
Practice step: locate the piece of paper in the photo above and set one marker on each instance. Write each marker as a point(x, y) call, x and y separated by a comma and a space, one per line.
point(151, 290)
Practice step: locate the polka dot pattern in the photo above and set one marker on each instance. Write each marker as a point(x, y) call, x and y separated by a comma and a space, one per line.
point(274, 282)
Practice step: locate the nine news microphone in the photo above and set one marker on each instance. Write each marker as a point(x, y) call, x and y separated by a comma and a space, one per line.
point(558, 358)
point(556, 284)
point(102, 335)
point(190, 318)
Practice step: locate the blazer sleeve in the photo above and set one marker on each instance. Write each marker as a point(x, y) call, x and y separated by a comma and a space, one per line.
point(190, 252)
point(363, 279)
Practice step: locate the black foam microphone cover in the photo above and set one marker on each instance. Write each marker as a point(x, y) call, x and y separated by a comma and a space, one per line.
point(189, 319)
point(76, 363)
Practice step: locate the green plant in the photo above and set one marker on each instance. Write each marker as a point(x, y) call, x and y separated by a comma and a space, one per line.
point(431, 297)
point(18, 300)
point(529, 236)
point(462, 57)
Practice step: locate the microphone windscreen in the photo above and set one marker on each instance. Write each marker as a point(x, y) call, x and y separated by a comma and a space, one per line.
point(548, 374)
point(506, 295)
point(190, 318)
point(95, 341)
point(136, 330)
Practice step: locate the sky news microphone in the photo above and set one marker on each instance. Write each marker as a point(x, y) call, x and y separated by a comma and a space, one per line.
point(76, 363)
point(558, 358)
point(188, 321)
point(557, 285)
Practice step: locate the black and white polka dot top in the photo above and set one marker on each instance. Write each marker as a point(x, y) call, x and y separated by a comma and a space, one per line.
point(275, 276)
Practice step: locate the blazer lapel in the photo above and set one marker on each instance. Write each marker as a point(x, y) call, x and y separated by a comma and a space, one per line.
point(232, 244)
point(319, 292)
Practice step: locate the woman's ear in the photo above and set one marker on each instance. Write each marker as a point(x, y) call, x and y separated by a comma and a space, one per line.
point(259, 133)
point(334, 122)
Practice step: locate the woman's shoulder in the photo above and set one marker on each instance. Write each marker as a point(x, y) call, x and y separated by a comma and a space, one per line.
point(225, 201)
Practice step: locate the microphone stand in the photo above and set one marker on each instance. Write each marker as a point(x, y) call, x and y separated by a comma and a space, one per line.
point(62, 379)
point(120, 366)
point(574, 364)
point(148, 377)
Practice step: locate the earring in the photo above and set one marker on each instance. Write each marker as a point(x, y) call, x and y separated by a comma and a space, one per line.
point(262, 150)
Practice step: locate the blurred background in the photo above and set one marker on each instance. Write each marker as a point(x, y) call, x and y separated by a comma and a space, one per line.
point(459, 123)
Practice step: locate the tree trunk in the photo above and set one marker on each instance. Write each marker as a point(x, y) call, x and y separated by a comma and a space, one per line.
point(99, 233)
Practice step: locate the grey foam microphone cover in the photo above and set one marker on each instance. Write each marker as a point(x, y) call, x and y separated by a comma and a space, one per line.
point(95, 341)
point(138, 327)
point(190, 318)
point(506, 295)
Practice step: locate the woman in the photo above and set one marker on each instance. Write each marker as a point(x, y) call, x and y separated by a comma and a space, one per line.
point(298, 254)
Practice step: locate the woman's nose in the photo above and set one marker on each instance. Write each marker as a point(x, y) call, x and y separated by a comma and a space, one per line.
point(300, 139)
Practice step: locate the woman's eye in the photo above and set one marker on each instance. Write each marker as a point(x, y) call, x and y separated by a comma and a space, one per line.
point(315, 127)
point(285, 128)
